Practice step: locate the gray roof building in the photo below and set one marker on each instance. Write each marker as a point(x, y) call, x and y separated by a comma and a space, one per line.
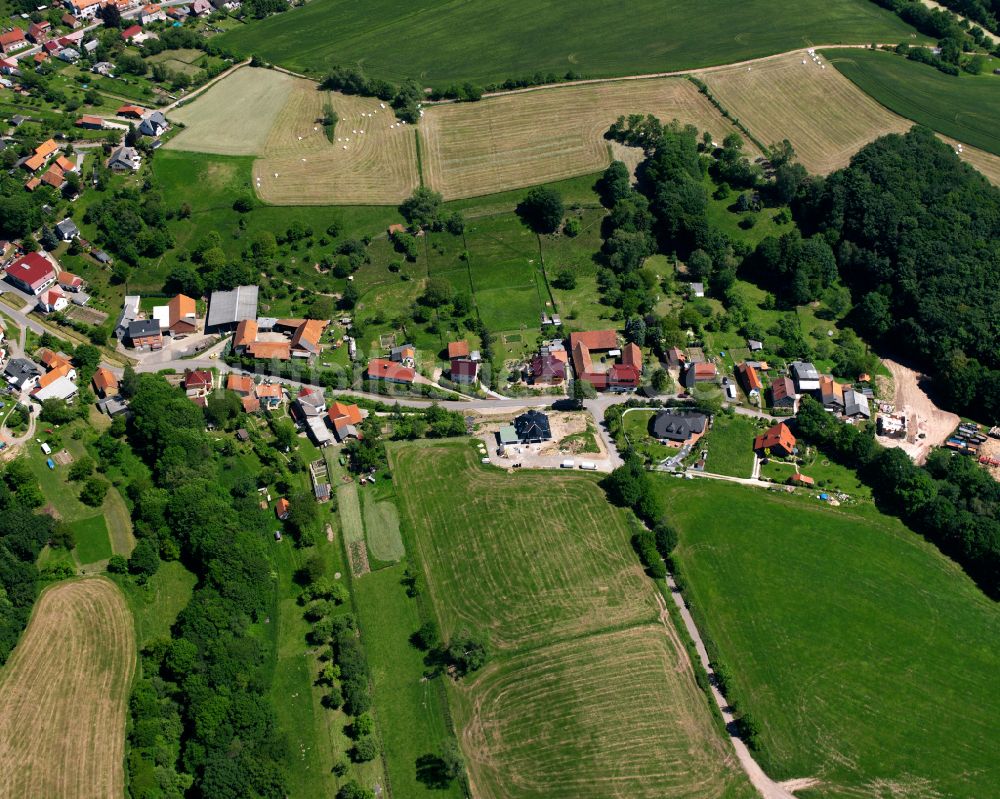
point(856, 404)
point(125, 158)
point(20, 371)
point(805, 375)
point(67, 229)
point(676, 426)
point(140, 328)
point(130, 310)
point(532, 426)
point(226, 309)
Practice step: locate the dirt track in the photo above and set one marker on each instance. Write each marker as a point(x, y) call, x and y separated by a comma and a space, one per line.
point(928, 425)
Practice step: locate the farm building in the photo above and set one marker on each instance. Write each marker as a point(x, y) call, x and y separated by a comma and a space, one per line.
point(145, 334)
point(61, 387)
point(613, 370)
point(805, 376)
point(131, 112)
point(245, 336)
point(783, 393)
point(778, 441)
point(178, 317)
point(241, 384)
point(458, 349)
point(699, 373)
point(749, 379)
point(226, 309)
point(381, 369)
point(754, 345)
point(318, 431)
point(305, 339)
point(532, 427)
point(679, 429)
point(798, 479)
point(31, 273)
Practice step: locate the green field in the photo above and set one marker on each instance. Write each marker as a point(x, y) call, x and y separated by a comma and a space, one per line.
point(587, 693)
point(382, 529)
point(965, 108)
point(868, 659)
point(92, 543)
point(730, 445)
point(593, 38)
point(156, 604)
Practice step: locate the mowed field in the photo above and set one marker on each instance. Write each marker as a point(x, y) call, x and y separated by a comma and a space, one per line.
point(63, 695)
point(235, 116)
point(868, 659)
point(588, 693)
point(511, 141)
point(966, 108)
point(441, 43)
point(822, 113)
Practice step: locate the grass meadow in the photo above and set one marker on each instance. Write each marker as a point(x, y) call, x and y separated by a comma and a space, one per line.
point(591, 38)
point(963, 107)
point(588, 693)
point(730, 445)
point(868, 659)
point(92, 542)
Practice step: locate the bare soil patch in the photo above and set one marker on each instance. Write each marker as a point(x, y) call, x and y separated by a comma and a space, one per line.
point(927, 425)
point(63, 695)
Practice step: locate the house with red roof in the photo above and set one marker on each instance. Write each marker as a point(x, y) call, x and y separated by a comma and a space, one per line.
point(382, 369)
point(52, 300)
point(39, 31)
point(464, 371)
point(344, 419)
point(699, 373)
point(458, 349)
point(130, 111)
point(70, 282)
point(13, 40)
point(131, 32)
point(749, 379)
point(282, 508)
point(241, 384)
point(598, 360)
point(105, 382)
point(31, 273)
point(198, 382)
point(777, 441)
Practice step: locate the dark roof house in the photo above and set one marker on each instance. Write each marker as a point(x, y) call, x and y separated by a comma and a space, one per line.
point(678, 427)
point(533, 427)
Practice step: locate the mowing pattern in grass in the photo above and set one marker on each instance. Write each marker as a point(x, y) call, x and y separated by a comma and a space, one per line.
point(349, 510)
point(92, 543)
point(444, 43)
point(524, 139)
point(382, 530)
point(868, 659)
point(586, 694)
point(235, 116)
point(63, 693)
point(964, 107)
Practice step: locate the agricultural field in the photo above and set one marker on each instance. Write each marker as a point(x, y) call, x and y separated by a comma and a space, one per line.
point(591, 38)
point(963, 107)
point(371, 161)
point(589, 692)
point(871, 658)
point(540, 136)
point(233, 117)
point(75, 660)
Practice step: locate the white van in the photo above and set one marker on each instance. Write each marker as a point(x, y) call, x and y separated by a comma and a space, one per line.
point(589, 466)
point(567, 464)
point(46, 448)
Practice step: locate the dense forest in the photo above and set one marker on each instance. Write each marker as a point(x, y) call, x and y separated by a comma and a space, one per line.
point(951, 501)
point(917, 238)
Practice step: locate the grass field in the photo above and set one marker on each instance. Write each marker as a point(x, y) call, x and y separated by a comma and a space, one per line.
point(382, 529)
point(964, 108)
point(730, 445)
point(75, 660)
point(235, 116)
point(587, 693)
point(349, 511)
point(868, 659)
point(517, 140)
point(92, 542)
point(592, 38)
point(156, 604)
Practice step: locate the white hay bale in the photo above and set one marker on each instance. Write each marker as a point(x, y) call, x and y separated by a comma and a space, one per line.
point(345, 146)
point(360, 131)
point(276, 174)
point(381, 105)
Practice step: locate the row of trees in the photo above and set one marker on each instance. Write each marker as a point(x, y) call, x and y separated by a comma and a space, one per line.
point(951, 501)
point(404, 98)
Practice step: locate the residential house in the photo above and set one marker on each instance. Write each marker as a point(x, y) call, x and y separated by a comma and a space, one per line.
point(241, 384)
point(198, 382)
point(856, 404)
point(404, 354)
point(125, 159)
point(144, 334)
point(182, 316)
point(154, 124)
point(129, 33)
point(548, 369)
point(226, 309)
point(83, 9)
point(270, 395)
point(831, 394)
point(130, 312)
point(679, 428)
point(594, 367)
point(532, 427)
point(306, 338)
point(697, 289)
point(13, 40)
point(69, 21)
point(65, 164)
point(201, 7)
point(632, 356)
point(52, 300)
point(105, 383)
point(245, 336)
point(53, 177)
point(381, 369)
point(31, 273)
point(777, 441)
point(699, 373)
point(38, 32)
point(8, 66)
point(131, 112)
point(783, 393)
point(282, 509)
point(67, 230)
point(345, 419)
point(464, 371)
point(22, 374)
point(90, 123)
point(458, 349)
point(805, 376)
point(70, 282)
point(754, 345)
point(60, 387)
point(151, 13)
point(749, 379)
point(310, 403)
point(69, 54)
point(105, 68)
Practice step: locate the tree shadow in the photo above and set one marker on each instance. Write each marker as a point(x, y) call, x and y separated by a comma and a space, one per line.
point(432, 771)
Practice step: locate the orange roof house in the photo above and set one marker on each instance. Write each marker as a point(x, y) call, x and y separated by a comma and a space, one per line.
point(270, 391)
point(344, 419)
point(267, 350)
point(305, 339)
point(182, 315)
point(749, 378)
point(632, 356)
point(34, 163)
point(65, 164)
point(46, 148)
point(241, 384)
point(458, 349)
point(778, 439)
point(130, 111)
point(105, 382)
point(381, 369)
point(250, 404)
point(52, 360)
point(88, 121)
point(32, 184)
point(48, 378)
point(245, 335)
point(281, 508)
point(800, 479)
point(53, 177)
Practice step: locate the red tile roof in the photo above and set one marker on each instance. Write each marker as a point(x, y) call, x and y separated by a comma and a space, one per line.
point(458, 349)
point(595, 339)
point(341, 414)
point(198, 378)
point(242, 384)
point(777, 436)
point(246, 333)
point(31, 269)
point(632, 356)
point(265, 350)
point(130, 31)
point(749, 378)
point(381, 369)
point(281, 508)
point(105, 380)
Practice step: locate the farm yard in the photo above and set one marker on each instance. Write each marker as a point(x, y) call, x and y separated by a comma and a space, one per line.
point(540, 136)
point(590, 38)
point(75, 660)
point(871, 657)
point(581, 654)
point(963, 107)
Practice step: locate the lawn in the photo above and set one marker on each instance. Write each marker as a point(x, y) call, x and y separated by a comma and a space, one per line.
point(92, 543)
point(636, 424)
point(730, 445)
point(541, 563)
point(410, 711)
point(592, 38)
point(156, 604)
point(867, 658)
point(382, 528)
point(964, 107)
